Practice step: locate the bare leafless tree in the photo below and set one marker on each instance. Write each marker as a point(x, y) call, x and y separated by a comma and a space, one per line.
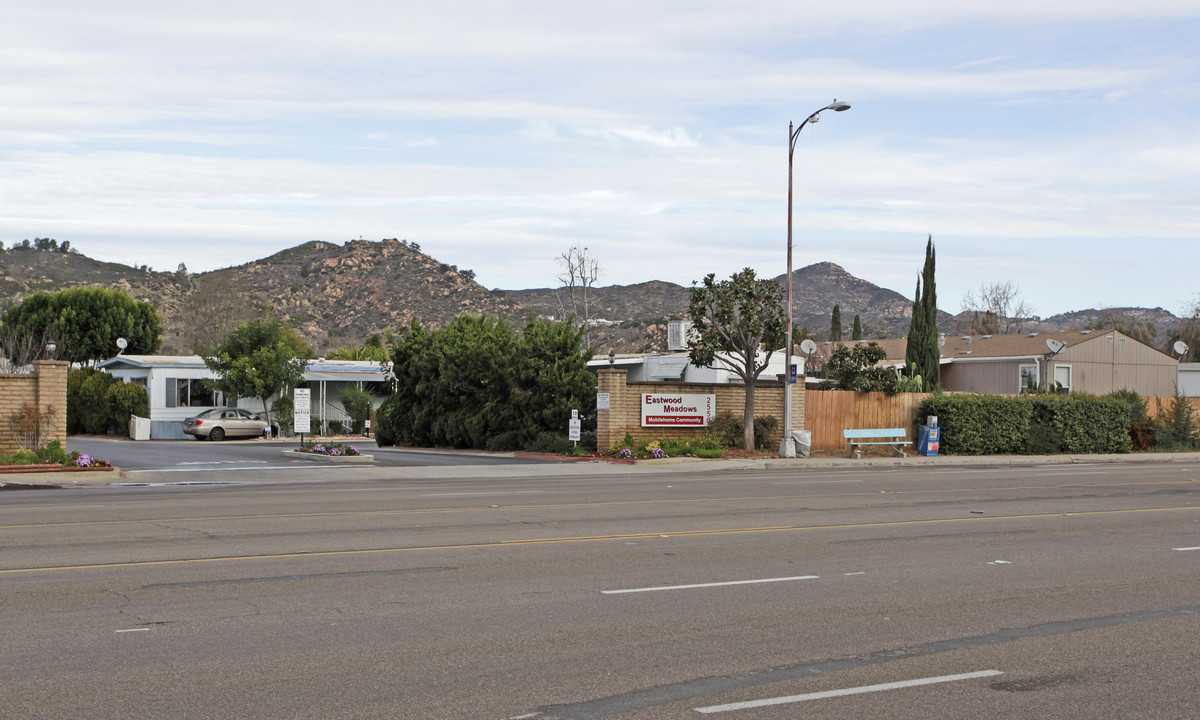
point(1189, 332)
point(580, 272)
point(18, 349)
point(996, 309)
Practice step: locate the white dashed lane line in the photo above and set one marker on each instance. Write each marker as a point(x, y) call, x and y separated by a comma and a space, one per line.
point(846, 691)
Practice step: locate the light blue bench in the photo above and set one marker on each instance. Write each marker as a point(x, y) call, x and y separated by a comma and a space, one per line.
point(896, 438)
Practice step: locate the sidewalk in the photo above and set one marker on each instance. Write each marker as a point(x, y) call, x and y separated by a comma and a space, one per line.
point(689, 465)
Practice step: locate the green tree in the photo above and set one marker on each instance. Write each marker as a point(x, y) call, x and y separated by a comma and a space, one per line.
point(259, 359)
point(1144, 331)
point(856, 368)
point(371, 350)
point(922, 354)
point(738, 323)
point(553, 379)
point(856, 333)
point(835, 324)
point(477, 383)
point(1189, 332)
point(357, 403)
point(86, 322)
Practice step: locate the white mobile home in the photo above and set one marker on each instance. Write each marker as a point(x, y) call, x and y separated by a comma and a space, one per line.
point(176, 389)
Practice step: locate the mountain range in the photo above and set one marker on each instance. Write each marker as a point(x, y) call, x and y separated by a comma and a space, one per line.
point(336, 296)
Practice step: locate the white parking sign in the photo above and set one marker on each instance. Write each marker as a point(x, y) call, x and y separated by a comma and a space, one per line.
point(301, 414)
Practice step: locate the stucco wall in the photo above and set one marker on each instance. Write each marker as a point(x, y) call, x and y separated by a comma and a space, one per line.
point(45, 389)
point(625, 408)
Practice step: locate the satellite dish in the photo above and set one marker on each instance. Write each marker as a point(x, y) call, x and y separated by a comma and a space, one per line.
point(808, 347)
point(1056, 346)
point(1181, 348)
point(122, 343)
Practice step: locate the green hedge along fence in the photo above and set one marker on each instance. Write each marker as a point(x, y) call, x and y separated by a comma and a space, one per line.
point(1029, 424)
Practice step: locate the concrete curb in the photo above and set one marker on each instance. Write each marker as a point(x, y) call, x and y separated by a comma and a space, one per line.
point(334, 459)
point(667, 466)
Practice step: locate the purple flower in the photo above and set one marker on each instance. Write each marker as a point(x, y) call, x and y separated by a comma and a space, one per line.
point(84, 461)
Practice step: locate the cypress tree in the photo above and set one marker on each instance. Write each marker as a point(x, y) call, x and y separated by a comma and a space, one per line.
point(857, 332)
point(931, 373)
point(922, 354)
point(835, 324)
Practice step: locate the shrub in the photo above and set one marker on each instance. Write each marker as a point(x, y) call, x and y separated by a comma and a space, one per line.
point(504, 442)
point(94, 411)
point(726, 431)
point(1083, 424)
point(764, 428)
point(550, 442)
point(282, 412)
point(357, 404)
point(979, 424)
point(1041, 424)
point(53, 454)
point(386, 431)
point(75, 402)
point(125, 399)
point(1142, 427)
point(1177, 425)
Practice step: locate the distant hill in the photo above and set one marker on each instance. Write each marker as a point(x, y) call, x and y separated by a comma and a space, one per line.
point(338, 295)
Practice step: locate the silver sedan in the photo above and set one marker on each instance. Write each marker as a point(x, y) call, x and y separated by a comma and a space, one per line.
point(220, 423)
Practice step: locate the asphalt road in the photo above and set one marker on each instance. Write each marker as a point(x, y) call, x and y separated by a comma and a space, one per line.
point(1023, 592)
point(255, 456)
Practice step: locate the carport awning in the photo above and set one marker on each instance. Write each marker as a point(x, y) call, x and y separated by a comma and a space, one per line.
point(670, 368)
point(346, 373)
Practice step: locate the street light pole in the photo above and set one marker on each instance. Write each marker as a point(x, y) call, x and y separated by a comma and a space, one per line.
point(787, 448)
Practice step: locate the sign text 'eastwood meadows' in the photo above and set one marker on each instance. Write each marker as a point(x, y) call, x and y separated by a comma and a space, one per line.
point(677, 410)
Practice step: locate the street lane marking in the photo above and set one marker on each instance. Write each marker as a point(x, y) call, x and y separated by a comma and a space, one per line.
point(557, 506)
point(134, 630)
point(589, 538)
point(816, 482)
point(710, 585)
point(1186, 549)
point(847, 691)
point(225, 469)
point(497, 492)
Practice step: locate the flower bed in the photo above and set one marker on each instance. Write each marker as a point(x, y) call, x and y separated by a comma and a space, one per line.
point(329, 452)
point(331, 449)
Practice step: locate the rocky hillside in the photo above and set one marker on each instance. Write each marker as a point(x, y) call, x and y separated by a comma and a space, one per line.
point(333, 295)
point(338, 295)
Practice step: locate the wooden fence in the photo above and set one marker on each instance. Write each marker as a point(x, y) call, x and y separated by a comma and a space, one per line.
point(828, 412)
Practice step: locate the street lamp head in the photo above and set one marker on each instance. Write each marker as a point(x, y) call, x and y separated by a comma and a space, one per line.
point(838, 106)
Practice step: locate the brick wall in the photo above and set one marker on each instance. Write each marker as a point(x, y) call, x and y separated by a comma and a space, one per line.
point(45, 389)
point(625, 407)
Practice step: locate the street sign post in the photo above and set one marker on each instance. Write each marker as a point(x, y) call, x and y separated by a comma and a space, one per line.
point(301, 411)
point(573, 427)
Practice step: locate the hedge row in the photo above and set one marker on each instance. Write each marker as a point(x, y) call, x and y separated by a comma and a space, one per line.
point(98, 402)
point(1040, 424)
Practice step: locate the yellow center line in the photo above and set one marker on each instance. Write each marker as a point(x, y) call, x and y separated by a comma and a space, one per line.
point(567, 506)
point(588, 538)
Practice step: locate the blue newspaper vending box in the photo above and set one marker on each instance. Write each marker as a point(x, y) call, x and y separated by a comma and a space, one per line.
point(928, 437)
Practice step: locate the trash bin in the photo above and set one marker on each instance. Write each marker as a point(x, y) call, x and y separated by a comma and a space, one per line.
point(928, 439)
point(803, 440)
point(139, 427)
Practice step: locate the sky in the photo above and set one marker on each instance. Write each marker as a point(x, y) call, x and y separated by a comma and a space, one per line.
point(1051, 145)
